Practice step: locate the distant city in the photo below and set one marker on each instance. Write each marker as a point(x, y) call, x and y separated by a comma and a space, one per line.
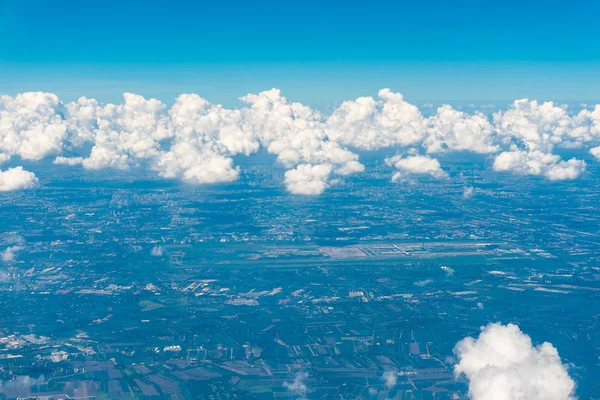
point(151, 289)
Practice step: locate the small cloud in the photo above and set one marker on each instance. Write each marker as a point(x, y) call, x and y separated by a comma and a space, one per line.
point(17, 179)
point(308, 179)
point(68, 161)
point(297, 387)
point(390, 378)
point(415, 165)
point(157, 251)
point(449, 271)
point(9, 254)
point(422, 283)
point(468, 192)
point(15, 243)
point(538, 163)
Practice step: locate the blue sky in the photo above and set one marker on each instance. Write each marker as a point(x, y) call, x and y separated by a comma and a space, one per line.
point(318, 52)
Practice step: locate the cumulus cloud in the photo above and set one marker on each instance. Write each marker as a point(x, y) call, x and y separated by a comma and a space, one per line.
point(15, 243)
point(196, 164)
point(595, 151)
point(10, 252)
point(538, 163)
point(125, 134)
point(197, 141)
point(415, 165)
point(503, 364)
point(32, 125)
point(468, 192)
point(390, 378)
point(157, 251)
point(423, 282)
point(298, 387)
point(16, 179)
point(308, 179)
point(370, 124)
point(60, 160)
point(452, 130)
point(541, 127)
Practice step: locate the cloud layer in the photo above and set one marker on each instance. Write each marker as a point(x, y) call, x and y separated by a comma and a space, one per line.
point(195, 140)
point(503, 364)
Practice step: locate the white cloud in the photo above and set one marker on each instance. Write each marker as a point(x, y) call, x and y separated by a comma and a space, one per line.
point(540, 127)
point(196, 164)
point(415, 165)
point(298, 387)
point(10, 252)
point(16, 179)
point(538, 163)
point(370, 124)
point(349, 168)
point(503, 364)
point(127, 133)
point(157, 251)
point(468, 192)
point(595, 151)
point(308, 179)
point(31, 125)
point(390, 378)
point(423, 283)
point(537, 126)
point(452, 130)
point(60, 160)
point(196, 141)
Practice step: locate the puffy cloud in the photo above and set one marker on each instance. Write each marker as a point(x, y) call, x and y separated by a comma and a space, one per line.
point(595, 151)
point(296, 133)
point(370, 124)
point(15, 243)
point(31, 125)
point(196, 164)
point(126, 133)
point(298, 387)
point(538, 163)
point(415, 165)
point(468, 192)
point(536, 126)
point(308, 179)
point(452, 130)
point(390, 378)
point(16, 179)
point(540, 127)
point(10, 252)
point(423, 282)
point(564, 170)
point(157, 251)
point(196, 141)
point(503, 364)
point(197, 120)
point(60, 160)
point(349, 168)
